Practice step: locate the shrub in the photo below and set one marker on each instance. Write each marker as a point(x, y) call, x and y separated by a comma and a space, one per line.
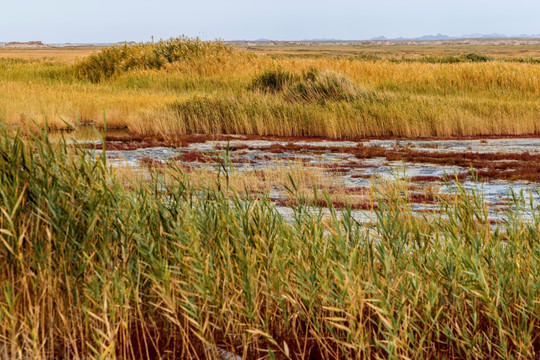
point(115, 60)
point(324, 85)
point(273, 80)
point(475, 57)
point(312, 85)
point(448, 59)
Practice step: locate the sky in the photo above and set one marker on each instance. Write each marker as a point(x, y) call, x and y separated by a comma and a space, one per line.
point(95, 21)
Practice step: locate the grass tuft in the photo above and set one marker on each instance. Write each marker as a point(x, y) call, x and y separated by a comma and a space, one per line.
point(312, 85)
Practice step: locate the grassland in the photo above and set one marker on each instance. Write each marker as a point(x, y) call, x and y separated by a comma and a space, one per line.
point(463, 91)
point(396, 50)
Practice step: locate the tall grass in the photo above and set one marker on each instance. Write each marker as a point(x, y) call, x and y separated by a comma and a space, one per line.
point(311, 85)
point(96, 268)
point(116, 60)
point(182, 85)
point(452, 59)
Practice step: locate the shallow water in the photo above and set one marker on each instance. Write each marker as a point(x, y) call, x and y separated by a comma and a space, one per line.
point(355, 172)
point(531, 145)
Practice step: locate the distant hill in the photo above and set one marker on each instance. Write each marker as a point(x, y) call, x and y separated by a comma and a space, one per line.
point(322, 40)
point(475, 38)
point(429, 37)
point(434, 37)
point(466, 36)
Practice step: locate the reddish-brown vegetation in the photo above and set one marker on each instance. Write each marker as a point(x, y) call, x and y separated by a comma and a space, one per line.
point(194, 156)
point(236, 160)
point(341, 169)
point(361, 176)
point(233, 147)
point(421, 198)
point(149, 162)
point(364, 205)
point(134, 142)
point(426, 178)
point(293, 158)
point(359, 190)
point(506, 166)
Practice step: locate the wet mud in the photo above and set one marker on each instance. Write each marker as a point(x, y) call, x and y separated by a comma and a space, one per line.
point(493, 167)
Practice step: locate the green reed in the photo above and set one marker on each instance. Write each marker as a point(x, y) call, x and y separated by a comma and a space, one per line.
point(93, 267)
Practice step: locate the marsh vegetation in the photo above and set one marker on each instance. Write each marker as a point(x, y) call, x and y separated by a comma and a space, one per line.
point(184, 86)
point(242, 235)
point(102, 266)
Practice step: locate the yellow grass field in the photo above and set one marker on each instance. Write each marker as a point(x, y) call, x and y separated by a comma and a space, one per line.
point(404, 92)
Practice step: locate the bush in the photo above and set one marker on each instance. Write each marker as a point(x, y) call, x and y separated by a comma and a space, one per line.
point(448, 59)
point(312, 85)
point(273, 80)
point(475, 57)
point(115, 60)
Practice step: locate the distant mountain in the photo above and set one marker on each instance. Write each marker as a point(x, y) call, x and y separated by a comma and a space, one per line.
point(526, 36)
point(466, 36)
point(321, 39)
point(440, 37)
point(424, 37)
point(434, 37)
point(483, 36)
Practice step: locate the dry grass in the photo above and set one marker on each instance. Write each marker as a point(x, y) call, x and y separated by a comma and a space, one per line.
point(395, 51)
point(56, 53)
point(213, 93)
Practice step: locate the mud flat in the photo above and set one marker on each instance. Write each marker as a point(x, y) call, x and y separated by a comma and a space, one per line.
point(497, 169)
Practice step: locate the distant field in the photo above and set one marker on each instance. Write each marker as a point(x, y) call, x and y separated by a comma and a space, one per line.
point(357, 91)
point(398, 51)
point(323, 49)
point(59, 53)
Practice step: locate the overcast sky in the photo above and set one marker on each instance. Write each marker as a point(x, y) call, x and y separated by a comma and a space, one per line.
point(57, 21)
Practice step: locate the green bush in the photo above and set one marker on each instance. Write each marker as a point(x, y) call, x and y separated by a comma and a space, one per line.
point(312, 85)
point(273, 80)
point(475, 57)
point(447, 59)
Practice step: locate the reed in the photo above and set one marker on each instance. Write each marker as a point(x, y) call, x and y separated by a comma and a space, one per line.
point(93, 268)
point(186, 86)
point(312, 85)
point(116, 60)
